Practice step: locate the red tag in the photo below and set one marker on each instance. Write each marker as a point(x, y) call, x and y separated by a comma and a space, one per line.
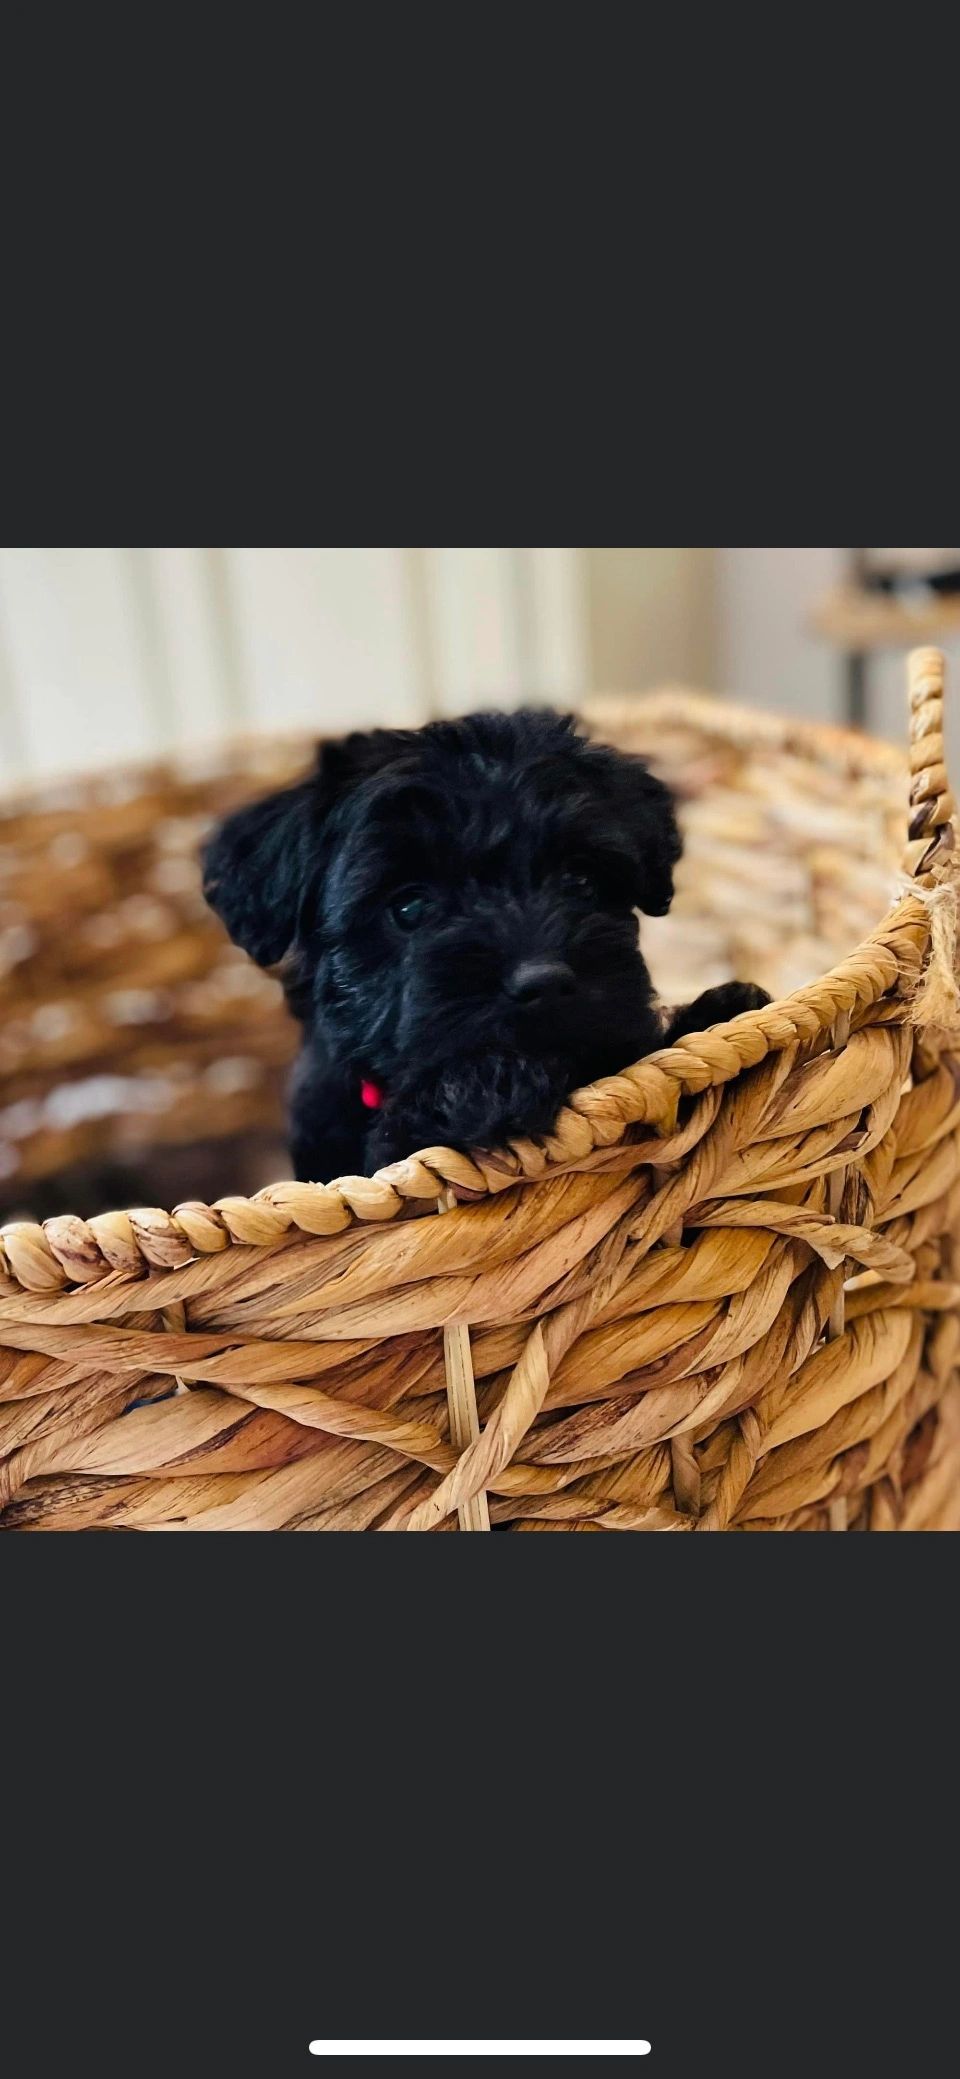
point(371, 1095)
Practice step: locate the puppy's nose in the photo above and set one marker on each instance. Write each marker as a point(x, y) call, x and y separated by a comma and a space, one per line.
point(540, 981)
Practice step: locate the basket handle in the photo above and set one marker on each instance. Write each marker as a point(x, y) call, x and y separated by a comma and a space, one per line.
point(932, 805)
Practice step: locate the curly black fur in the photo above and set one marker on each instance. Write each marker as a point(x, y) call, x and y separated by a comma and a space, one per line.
point(455, 910)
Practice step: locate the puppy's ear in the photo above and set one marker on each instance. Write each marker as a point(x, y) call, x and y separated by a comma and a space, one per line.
point(256, 868)
point(656, 835)
point(643, 808)
point(261, 867)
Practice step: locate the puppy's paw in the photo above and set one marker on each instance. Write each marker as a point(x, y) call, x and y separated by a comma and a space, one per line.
point(715, 1007)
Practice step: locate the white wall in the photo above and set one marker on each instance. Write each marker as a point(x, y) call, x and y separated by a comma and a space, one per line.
point(651, 617)
point(765, 653)
point(115, 654)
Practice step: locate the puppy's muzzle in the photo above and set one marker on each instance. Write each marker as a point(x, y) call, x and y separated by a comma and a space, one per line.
point(535, 983)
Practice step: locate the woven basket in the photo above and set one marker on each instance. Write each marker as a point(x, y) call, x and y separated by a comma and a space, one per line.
point(721, 1295)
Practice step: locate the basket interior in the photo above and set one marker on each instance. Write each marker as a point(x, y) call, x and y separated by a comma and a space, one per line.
point(142, 1058)
point(792, 842)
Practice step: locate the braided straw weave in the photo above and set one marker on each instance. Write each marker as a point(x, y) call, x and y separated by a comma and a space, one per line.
point(723, 1294)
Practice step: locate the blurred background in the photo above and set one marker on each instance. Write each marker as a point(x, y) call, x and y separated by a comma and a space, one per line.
point(109, 655)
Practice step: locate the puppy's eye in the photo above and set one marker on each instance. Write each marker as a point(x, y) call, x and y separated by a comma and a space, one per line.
point(409, 908)
point(575, 880)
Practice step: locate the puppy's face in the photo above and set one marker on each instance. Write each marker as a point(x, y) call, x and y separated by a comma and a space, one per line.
point(467, 887)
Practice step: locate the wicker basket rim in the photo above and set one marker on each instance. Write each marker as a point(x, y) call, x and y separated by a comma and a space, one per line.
point(68, 1249)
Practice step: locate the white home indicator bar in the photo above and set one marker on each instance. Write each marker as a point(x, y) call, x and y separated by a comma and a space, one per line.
point(433, 2046)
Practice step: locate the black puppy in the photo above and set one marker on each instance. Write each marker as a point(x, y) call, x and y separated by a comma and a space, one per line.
point(455, 909)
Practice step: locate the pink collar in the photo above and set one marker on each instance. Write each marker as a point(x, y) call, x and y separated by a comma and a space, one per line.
point(371, 1094)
